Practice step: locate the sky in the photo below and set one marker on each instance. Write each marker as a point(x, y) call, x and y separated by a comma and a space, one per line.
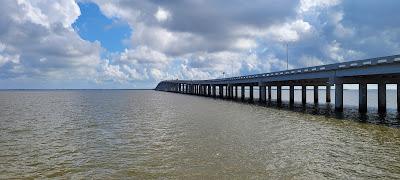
point(79, 44)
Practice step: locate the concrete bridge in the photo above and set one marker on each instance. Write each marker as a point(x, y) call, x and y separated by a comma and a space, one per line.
point(380, 71)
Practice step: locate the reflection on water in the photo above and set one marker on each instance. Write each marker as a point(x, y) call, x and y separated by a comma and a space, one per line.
point(105, 134)
point(390, 118)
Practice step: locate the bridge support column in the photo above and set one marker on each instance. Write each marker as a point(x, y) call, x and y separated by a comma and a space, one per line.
point(269, 93)
point(339, 97)
point(236, 92)
point(304, 94)
point(200, 89)
point(251, 93)
point(291, 95)
point(209, 90)
point(316, 94)
point(182, 88)
point(381, 97)
point(226, 91)
point(229, 91)
point(398, 97)
point(279, 94)
point(242, 89)
point(362, 94)
point(221, 91)
point(214, 91)
point(328, 93)
point(262, 92)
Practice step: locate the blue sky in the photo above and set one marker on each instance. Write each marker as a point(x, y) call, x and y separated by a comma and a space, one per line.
point(93, 26)
point(135, 43)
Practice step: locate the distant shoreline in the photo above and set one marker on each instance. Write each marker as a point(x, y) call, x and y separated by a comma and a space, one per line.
point(64, 89)
point(139, 89)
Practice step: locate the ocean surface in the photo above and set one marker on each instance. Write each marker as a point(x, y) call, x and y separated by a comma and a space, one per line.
point(139, 134)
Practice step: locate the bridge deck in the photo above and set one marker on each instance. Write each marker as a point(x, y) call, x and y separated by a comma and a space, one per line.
point(381, 71)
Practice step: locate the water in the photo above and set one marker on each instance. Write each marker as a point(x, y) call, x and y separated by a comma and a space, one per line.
point(103, 134)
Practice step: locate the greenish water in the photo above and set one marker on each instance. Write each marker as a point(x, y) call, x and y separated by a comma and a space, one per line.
point(105, 134)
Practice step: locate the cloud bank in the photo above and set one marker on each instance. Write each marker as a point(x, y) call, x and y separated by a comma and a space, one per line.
point(196, 39)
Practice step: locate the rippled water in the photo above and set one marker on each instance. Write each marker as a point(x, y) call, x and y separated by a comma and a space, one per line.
point(104, 134)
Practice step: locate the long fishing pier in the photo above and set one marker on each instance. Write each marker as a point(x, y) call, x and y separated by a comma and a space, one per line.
point(380, 71)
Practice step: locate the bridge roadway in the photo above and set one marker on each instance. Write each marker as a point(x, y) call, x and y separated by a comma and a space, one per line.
point(380, 71)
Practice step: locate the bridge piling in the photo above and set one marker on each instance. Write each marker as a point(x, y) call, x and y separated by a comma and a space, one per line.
point(316, 94)
point(251, 93)
point(210, 92)
point(381, 97)
point(398, 97)
point(362, 89)
point(262, 92)
point(226, 88)
point(328, 93)
point(291, 95)
point(339, 97)
point(279, 94)
point(221, 91)
point(304, 94)
point(269, 94)
point(236, 92)
point(242, 89)
point(214, 91)
point(230, 91)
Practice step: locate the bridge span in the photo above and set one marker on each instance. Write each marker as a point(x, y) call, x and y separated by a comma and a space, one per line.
point(380, 71)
